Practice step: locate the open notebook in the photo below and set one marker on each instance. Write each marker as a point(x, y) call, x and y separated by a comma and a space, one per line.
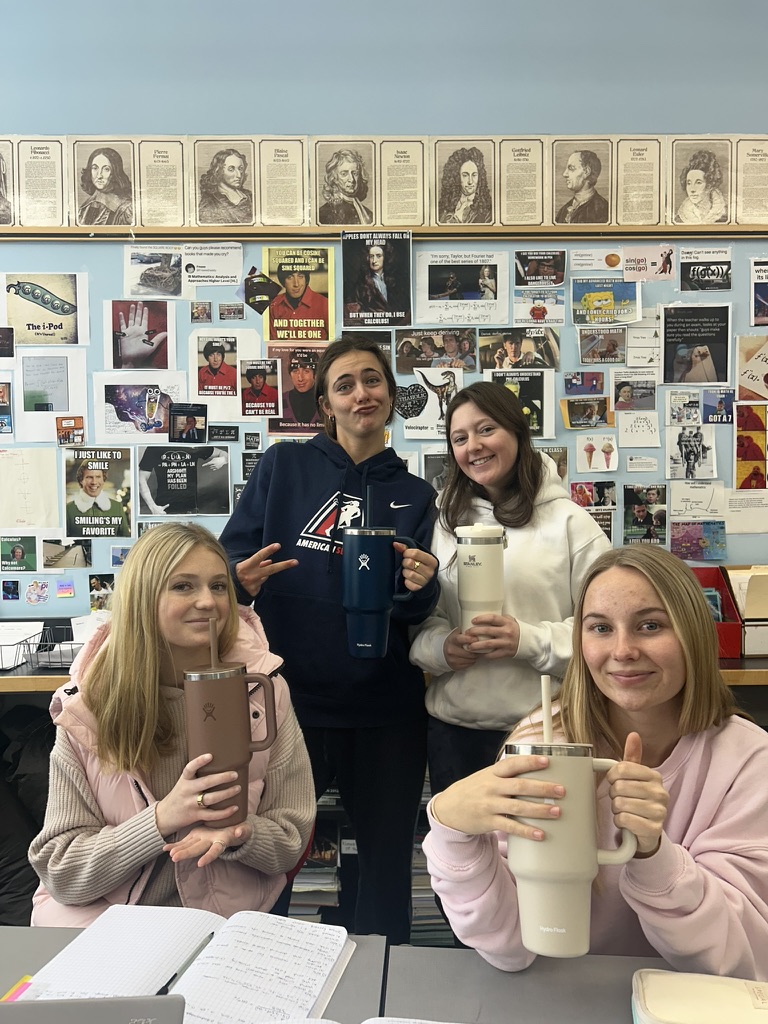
point(275, 966)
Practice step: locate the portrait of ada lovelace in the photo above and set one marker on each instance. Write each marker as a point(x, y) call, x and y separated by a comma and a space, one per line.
point(223, 197)
point(108, 189)
point(465, 195)
point(345, 186)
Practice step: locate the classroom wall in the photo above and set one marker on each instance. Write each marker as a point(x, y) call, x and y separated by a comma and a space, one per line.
point(405, 67)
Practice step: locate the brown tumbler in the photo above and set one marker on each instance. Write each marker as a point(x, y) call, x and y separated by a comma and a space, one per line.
point(219, 723)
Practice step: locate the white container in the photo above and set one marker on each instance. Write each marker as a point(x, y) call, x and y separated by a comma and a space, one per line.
point(665, 997)
point(480, 570)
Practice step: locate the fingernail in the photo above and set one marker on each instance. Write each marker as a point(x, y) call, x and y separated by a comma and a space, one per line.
point(559, 790)
point(538, 835)
point(542, 761)
point(554, 812)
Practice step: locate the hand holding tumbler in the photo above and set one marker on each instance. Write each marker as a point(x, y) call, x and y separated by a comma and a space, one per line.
point(554, 877)
point(219, 723)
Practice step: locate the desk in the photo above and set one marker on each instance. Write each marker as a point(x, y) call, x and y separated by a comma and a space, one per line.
point(358, 996)
point(458, 985)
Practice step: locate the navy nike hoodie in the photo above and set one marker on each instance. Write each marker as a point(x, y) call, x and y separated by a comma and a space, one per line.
point(302, 496)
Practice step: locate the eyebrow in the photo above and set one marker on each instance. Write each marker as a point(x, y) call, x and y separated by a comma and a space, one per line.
point(653, 610)
point(347, 376)
point(195, 576)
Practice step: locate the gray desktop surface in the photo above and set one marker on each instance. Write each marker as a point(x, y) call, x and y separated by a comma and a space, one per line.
point(458, 985)
point(25, 950)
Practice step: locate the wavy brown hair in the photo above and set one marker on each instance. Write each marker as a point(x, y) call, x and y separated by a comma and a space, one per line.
point(517, 506)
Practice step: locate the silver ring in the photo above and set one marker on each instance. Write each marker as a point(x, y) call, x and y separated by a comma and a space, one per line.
point(219, 843)
point(201, 800)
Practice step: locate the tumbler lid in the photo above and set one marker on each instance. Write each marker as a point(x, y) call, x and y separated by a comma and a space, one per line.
point(549, 749)
point(379, 531)
point(223, 671)
point(477, 531)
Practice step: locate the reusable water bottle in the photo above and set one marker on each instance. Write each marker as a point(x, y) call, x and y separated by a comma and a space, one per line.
point(480, 568)
point(219, 723)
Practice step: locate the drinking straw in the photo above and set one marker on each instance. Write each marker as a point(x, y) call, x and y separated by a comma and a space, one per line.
point(546, 709)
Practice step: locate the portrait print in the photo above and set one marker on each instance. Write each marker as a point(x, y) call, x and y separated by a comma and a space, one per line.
point(581, 185)
point(6, 183)
point(224, 180)
point(345, 187)
point(465, 182)
point(699, 186)
point(104, 183)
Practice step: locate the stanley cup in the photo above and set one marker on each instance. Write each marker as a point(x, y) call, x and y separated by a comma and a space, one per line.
point(480, 567)
point(554, 877)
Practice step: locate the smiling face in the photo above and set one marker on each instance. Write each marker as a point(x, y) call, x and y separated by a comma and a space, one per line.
point(196, 592)
point(468, 176)
point(295, 285)
point(358, 397)
point(696, 186)
point(93, 482)
point(233, 171)
point(484, 451)
point(101, 172)
point(630, 646)
point(303, 378)
point(347, 177)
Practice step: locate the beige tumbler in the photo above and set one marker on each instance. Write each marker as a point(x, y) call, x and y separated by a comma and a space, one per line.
point(554, 877)
point(219, 723)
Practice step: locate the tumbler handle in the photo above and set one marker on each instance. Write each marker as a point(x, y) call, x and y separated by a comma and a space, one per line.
point(409, 543)
point(626, 851)
point(269, 710)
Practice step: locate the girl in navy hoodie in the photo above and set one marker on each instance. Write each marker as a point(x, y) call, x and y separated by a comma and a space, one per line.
point(363, 719)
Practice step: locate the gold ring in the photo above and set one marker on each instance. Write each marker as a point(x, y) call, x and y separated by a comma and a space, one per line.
point(200, 800)
point(416, 565)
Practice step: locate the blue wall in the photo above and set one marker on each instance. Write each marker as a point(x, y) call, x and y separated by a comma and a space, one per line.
point(411, 67)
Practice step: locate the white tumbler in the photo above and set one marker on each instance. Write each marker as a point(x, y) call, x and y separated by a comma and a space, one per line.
point(480, 568)
point(554, 877)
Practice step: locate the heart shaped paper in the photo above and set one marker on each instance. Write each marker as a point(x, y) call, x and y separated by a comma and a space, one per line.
point(411, 401)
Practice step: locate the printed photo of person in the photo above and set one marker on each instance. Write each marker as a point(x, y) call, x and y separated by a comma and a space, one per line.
point(345, 184)
point(377, 278)
point(579, 175)
point(223, 195)
point(465, 193)
point(700, 180)
point(18, 554)
point(259, 393)
point(6, 184)
point(300, 312)
point(105, 194)
point(217, 375)
point(188, 423)
point(300, 414)
point(98, 492)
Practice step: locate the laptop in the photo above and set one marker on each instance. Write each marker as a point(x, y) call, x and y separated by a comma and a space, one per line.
point(117, 1010)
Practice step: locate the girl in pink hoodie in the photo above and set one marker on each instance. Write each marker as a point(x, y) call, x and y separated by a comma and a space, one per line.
point(644, 687)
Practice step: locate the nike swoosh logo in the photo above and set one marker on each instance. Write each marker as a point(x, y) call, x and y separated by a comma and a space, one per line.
point(393, 505)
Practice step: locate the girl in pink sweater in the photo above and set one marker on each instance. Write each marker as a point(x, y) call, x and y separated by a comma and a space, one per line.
point(643, 686)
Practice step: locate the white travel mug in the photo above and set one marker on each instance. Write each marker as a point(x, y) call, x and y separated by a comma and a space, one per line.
point(554, 877)
point(480, 570)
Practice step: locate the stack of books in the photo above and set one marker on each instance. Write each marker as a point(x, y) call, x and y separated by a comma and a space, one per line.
point(317, 884)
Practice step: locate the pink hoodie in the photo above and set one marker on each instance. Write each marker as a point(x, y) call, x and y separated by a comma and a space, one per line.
point(701, 901)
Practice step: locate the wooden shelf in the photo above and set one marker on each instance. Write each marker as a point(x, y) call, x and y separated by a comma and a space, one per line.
point(570, 232)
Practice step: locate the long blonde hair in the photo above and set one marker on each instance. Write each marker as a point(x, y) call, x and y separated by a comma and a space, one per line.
point(121, 686)
point(707, 700)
